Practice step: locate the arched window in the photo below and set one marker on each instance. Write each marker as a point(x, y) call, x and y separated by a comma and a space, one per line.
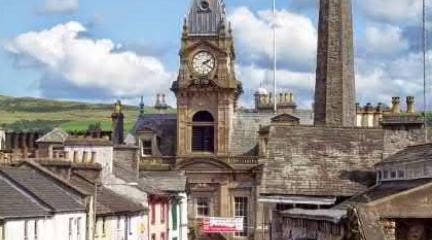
point(203, 132)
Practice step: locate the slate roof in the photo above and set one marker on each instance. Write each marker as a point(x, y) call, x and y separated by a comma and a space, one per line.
point(422, 152)
point(128, 175)
point(168, 181)
point(165, 127)
point(17, 203)
point(382, 190)
point(50, 191)
point(57, 135)
point(205, 22)
point(320, 161)
point(244, 135)
point(108, 202)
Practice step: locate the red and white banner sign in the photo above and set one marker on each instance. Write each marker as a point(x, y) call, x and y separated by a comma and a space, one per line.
point(223, 225)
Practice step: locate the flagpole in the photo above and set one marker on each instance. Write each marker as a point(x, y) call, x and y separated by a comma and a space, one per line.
point(424, 46)
point(274, 59)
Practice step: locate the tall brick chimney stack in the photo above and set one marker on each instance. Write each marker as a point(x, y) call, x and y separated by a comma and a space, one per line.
point(335, 80)
point(117, 124)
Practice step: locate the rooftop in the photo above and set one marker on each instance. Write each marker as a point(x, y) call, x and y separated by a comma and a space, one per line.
point(415, 153)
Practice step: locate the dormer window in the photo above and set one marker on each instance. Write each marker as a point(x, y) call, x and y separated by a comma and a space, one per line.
point(147, 149)
point(401, 173)
point(386, 173)
point(393, 174)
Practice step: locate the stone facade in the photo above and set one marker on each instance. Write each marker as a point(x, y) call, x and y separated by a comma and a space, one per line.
point(335, 84)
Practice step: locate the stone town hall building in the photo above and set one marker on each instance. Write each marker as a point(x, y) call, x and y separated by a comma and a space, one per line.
point(250, 163)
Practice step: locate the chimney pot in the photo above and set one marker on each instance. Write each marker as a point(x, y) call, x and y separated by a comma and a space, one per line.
point(396, 104)
point(410, 100)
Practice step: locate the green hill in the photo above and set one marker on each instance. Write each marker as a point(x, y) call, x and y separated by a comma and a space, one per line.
point(35, 114)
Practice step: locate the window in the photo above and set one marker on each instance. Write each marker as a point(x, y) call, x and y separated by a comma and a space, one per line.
point(70, 228)
point(36, 229)
point(401, 174)
point(393, 174)
point(241, 210)
point(203, 207)
point(78, 230)
point(147, 148)
point(162, 212)
point(26, 228)
point(174, 215)
point(129, 221)
point(2, 231)
point(385, 174)
point(162, 236)
point(153, 213)
point(103, 227)
point(153, 236)
point(203, 132)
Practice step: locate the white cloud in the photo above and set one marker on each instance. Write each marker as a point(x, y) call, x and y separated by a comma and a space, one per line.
point(384, 41)
point(402, 11)
point(85, 63)
point(296, 37)
point(60, 6)
point(302, 84)
point(378, 81)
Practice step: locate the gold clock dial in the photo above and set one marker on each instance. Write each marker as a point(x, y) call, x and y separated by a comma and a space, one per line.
point(203, 63)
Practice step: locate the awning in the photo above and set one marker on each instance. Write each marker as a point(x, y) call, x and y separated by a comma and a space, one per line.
point(332, 215)
point(322, 201)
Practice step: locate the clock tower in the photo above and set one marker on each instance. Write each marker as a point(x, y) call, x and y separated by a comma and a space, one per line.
point(206, 88)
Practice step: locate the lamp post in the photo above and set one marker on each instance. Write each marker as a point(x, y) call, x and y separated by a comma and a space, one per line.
point(96, 186)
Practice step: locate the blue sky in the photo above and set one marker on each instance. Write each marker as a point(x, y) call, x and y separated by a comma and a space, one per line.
point(102, 50)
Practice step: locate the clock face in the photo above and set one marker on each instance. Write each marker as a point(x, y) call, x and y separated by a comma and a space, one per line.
point(203, 63)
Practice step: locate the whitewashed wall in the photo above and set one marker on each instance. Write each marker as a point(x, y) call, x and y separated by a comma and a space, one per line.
point(53, 228)
point(104, 156)
point(119, 228)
